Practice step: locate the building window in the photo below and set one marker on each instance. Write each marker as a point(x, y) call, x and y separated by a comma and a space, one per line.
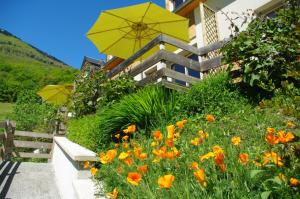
point(270, 9)
point(177, 3)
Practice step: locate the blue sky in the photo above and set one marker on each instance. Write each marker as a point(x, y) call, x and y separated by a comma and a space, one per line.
point(58, 27)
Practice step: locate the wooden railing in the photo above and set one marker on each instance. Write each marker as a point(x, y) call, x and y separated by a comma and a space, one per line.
point(21, 143)
point(164, 59)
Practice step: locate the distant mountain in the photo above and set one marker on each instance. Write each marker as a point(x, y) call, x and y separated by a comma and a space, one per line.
point(23, 66)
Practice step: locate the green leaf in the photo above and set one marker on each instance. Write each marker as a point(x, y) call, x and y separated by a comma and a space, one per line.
point(265, 195)
point(253, 173)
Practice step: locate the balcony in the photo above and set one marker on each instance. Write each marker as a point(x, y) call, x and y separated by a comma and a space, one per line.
point(162, 66)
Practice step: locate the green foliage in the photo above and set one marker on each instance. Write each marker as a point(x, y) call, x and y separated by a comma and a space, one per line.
point(6, 110)
point(87, 92)
point(114, 90)
point(31, 114)
point(214, 95)
point(22, 67)
point(82, 131)
point(286, 101)
point(95, 91)
point(148, 107)
point(267, 51)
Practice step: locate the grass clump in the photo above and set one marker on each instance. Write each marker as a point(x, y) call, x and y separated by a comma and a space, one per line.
point(148, 107)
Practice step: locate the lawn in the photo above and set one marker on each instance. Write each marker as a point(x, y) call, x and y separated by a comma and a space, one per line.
point(5, 110)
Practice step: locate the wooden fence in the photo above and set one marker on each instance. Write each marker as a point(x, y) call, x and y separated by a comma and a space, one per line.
point(164, 59)
point(22, 143)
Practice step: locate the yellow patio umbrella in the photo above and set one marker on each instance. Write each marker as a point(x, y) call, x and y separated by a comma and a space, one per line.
point(121, 32)
point(56, 94)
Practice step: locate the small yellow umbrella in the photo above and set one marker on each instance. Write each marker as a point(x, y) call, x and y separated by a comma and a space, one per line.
point(56, 94)
point(121, 32)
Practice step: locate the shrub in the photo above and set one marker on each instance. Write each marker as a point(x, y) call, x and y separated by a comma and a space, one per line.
point(267, 51)
point(95, 91)
point(214, 95)
point(82, 131)
point(31, 114)
point(149, 106)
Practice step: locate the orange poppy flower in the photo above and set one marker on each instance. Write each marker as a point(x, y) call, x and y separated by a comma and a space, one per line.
point(156, 160)
point(131, 128)
point(143, 169)
point(200, 176)
point(154, 144)
point(125, 137)
point(236, 140)
point(160, 152)
point(203, 135)
point(196, 141)
point(170, 130)
point(294, 182)
point(271, 138)
point(290, 124)
point(217, 149)
point(157, 135)
point(117, 136)
point(134, 178)
point(169, 142)
point(272, 157)
point(170, 155)
point(271, 130)
point(128, 161)
point(180, 124)
point(210, 118)
point(113, 194)
point(243, 158)
point(285, 137)
point(222, 167)
point(194, 166)
point(86, 165)
point(124, 155)
point(219, 159)
point(125, 145)
point(93, 171)
point(117, 145)
point(206, 156)
point(176, 152)
point(165, 181)
point(108, 157)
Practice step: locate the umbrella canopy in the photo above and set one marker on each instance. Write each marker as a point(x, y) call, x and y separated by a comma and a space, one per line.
point(56, 94)
point(121, 32)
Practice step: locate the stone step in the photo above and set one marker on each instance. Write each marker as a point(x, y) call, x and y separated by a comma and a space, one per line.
point(27, 180)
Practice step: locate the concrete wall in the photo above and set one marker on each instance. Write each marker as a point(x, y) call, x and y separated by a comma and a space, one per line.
point(71, 179)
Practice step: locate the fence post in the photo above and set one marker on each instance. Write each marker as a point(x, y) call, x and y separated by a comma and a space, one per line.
point(8, 139)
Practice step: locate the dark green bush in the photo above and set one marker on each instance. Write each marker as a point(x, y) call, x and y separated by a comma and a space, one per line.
point(148, 107)
point(214, 95)
point(82, 131)
point(268, 50)
point(30, 113)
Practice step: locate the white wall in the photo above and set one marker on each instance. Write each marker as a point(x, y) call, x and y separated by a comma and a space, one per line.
point(72, 180)
point(228, 6)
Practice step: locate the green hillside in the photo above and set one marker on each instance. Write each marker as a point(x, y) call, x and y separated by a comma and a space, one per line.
point(23, 66)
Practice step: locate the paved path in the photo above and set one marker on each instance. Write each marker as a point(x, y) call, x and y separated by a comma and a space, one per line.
point(27, 180)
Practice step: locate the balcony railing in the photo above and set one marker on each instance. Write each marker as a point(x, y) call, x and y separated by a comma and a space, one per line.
point(163, 60)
